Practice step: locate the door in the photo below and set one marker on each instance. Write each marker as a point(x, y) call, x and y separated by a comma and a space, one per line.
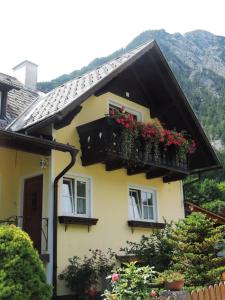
point(32, 209)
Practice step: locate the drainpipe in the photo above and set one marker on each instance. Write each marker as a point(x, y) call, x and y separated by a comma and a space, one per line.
point(73, 154)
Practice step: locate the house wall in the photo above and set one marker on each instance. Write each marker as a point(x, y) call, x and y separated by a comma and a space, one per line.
point(109, 193)
point(15, 167)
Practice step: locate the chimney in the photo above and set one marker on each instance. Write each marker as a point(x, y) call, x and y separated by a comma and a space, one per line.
point(26, 72)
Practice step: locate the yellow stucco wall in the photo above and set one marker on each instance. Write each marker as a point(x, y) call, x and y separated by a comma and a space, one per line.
point(15, 167)
point(109, 193)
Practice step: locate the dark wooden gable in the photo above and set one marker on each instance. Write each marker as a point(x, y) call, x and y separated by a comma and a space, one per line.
point(151, 83)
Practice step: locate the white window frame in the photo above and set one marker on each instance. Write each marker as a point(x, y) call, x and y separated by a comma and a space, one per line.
point(131, 214)
point(128, 109)
point(88, 202)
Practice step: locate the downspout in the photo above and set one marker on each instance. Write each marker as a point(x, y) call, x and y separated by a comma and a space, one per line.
point(73, 154)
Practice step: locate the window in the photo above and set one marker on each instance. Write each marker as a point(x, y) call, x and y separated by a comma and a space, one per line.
point(142, 204)
point(76, 196)
point(116, 106)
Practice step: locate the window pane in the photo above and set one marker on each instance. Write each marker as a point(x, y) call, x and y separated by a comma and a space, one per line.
point(68, 196)
point(145, 212)
point(144, 198)
point(149, 199)
point(81, 205)
point(135, 202)
point(150, 213)
point(147, 205)
point(81, 189)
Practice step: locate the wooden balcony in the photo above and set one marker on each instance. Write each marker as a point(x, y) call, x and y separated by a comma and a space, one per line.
point(101, 142)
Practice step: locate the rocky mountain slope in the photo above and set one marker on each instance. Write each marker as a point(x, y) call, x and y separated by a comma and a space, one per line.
point(198, 61)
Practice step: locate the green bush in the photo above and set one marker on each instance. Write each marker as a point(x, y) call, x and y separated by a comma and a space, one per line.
point(153, 250)
point(196, 242)
point(83, 274)
point(131, 283)
point(189, 246)
point(22, 275)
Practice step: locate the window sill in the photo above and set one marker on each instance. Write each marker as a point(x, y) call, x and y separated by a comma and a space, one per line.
point(69, 220)
point(145, 224)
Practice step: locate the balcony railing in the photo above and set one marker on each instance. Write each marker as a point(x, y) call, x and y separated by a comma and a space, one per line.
point(18, 221)
point(101, 142)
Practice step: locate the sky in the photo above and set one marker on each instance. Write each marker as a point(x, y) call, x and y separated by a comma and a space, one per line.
point(63, 35)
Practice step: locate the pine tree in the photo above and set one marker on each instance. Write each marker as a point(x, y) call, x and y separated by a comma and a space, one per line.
point(196, 242)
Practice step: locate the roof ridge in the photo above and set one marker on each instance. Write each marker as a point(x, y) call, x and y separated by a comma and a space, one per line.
point(65, 95)
point(100, 66)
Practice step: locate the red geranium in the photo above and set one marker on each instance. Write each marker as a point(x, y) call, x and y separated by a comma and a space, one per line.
point(154, 132)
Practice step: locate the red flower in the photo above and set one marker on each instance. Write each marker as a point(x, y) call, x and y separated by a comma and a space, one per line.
point(153, 293)
point(115, 277)
point(112, 112)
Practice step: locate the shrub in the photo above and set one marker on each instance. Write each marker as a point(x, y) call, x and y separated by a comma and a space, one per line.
point(153, 250)
point(79, 275)
point(22, 275)
point(82, 274)
point(169, 276)
point(131, 283)
point(196, 242)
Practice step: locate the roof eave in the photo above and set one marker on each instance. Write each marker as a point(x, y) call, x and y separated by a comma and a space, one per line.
point(26, 143)
point(63, 112)
point(190, 110)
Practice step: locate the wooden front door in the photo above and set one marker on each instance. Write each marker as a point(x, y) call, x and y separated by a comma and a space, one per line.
point(32, 209)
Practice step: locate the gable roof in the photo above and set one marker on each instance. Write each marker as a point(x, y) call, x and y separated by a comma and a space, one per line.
point(18, 98)
point(74, 91)
point(145, 72)
point(9, 81)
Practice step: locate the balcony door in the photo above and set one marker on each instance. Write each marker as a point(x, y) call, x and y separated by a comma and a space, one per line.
point(32, 209)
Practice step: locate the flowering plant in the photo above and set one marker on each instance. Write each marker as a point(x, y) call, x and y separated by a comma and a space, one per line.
point(153, 135)
point(132, 283)
point(129, 132)
point(183, 145)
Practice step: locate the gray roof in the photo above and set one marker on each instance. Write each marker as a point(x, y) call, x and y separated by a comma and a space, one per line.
point(58, 99)
point(17, 102)
point(10, 81)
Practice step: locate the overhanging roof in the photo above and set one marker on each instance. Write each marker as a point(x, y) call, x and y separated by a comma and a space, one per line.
point(26, 143)
point(9, 82)
point(147, 76)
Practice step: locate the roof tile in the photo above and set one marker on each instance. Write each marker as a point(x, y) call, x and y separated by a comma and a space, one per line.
point(57, 99)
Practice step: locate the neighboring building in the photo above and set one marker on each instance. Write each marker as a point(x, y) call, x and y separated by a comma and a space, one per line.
point(99, 200)
point(192, 207)
point(15, 95)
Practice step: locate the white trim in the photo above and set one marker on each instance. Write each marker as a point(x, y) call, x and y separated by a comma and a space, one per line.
point(182, 198)
point(89, 203)
point(128, 108)
point(155, 201)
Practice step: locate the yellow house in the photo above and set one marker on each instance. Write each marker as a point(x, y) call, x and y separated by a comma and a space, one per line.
point(98, 198)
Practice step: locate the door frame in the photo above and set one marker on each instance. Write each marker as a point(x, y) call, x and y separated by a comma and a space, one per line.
point(21, 206)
